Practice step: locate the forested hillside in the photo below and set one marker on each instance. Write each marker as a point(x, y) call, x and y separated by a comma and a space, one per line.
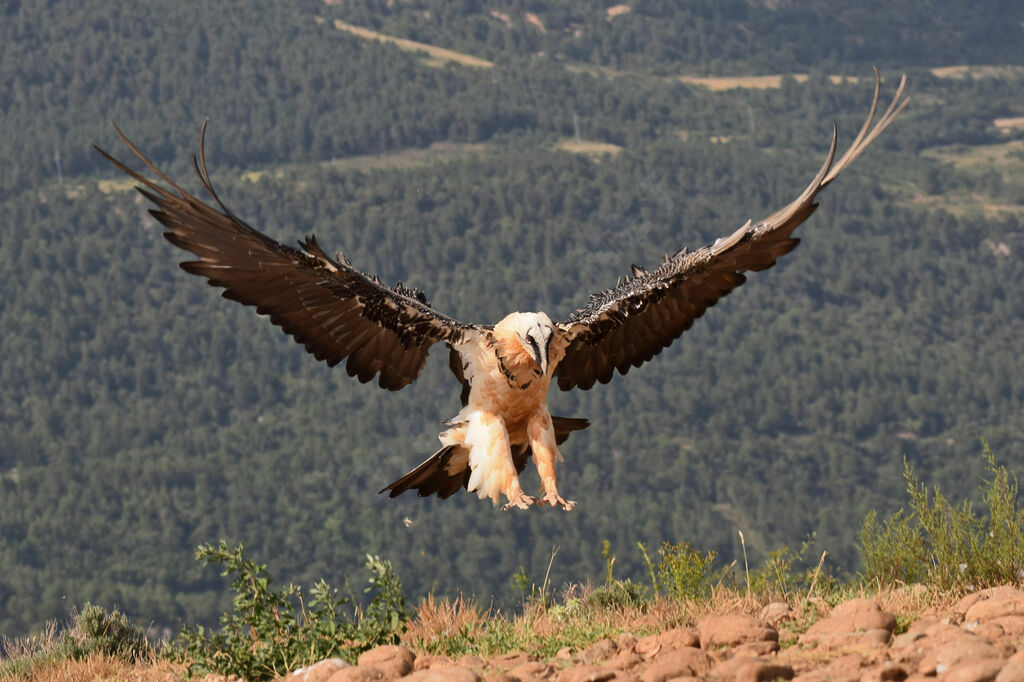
point(141, 414)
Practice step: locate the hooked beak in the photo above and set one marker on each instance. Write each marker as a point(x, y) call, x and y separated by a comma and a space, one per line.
point(539, 355)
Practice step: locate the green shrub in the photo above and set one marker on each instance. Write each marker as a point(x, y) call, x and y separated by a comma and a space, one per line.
point(949, 546)
point(272, 632)
point(685, 572)
point(93, 630)
point(619, 594)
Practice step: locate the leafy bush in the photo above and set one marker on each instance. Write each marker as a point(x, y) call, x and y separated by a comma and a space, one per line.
point(949, 546)
point(96, 631)
point(684, 571)
point(619, 594)
point(93, 630)
point(272, 632)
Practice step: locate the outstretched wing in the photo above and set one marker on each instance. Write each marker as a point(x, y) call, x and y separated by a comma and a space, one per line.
point(629, 324)
point(324, 303)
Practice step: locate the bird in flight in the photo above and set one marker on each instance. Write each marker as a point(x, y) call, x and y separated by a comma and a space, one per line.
point(338, 312)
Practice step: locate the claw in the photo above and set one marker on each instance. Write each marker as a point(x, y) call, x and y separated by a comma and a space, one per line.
point(556, 500)
point(519, 500)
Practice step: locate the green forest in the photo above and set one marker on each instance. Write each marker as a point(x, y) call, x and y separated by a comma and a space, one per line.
point(141, 414)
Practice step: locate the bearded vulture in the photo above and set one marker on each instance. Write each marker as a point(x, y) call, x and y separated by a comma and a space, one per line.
point(505, 369)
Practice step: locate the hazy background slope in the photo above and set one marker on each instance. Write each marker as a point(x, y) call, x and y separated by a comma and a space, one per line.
point(141, 414)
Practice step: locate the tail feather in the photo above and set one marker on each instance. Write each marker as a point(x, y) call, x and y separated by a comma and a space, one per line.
point(565, 425)
point(432, 476)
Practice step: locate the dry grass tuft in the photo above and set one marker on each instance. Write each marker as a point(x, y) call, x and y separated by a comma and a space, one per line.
point(440, 618)
point(101, 667)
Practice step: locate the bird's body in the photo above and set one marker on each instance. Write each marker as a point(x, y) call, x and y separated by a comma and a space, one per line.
point(505, 369)
point(508, 370)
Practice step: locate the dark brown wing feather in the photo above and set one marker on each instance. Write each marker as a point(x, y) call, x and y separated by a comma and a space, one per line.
point(626, 326)
point(333, 309)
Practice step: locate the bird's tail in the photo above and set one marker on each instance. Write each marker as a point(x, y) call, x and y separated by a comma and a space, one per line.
point(443, 473)
point(447, 470)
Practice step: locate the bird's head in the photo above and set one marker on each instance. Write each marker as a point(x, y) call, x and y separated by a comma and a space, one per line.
point(535, 332)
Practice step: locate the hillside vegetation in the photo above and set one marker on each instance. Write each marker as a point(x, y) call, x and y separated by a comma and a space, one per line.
point(142, 415)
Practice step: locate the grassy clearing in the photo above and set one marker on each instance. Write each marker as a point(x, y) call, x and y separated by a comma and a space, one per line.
point(590, 148)
point(964, 71)
point(439, 152)
point(774, 81)
point(1008, 124)
point(993, 184)
point(964, 156)
point(436, 56)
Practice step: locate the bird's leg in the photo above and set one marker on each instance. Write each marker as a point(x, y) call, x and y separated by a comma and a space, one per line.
point(545, 452)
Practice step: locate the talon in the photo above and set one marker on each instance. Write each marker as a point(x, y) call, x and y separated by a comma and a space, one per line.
point(519, 500)
point(556, 500)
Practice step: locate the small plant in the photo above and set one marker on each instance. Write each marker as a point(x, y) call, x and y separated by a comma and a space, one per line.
point(619, 594)
point(650, 568)
point(684, 571)
point(93, 630)
point(112, 634)
point(785, 573)
point(949, 546)
point(609, 561)
point(615, 593)
point(273, 632)
point(893, 551)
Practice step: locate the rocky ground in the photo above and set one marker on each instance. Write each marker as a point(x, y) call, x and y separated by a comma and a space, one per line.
point(979, 638)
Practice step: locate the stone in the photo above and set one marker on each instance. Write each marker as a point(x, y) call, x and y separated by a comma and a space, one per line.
point(587, 673)
point(776, 612)
point(994, 608)
point(885, 672)
point(318, 672)
point(394, 660)
point(998, 593)
point(500, 677)
point(626, 642)
point(471, 661)
point(922, 624)
point(359, 673)
point(866, 640)
point(1013, 671)
point(444, 673)
point(907, 639)
point(727, 669)
point(762, 648)
point(678, 663)
point(624, 660)
point(945, 656)
point(677, 638)
point(531, 670)
point(984, 670)
point(717, 631)
point(759, 671)
point(853, 616)
point(599, 651)
point(511, 660)
point(426, 661)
